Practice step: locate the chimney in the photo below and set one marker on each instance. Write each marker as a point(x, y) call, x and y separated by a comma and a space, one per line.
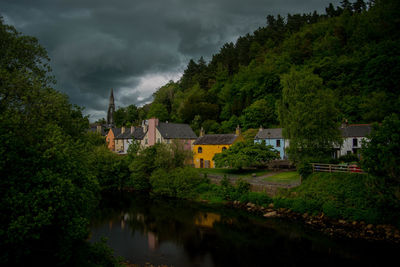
point(122, 129)
point(152, 126)
point(98, 129)
point(145, 125)
point(132, 129)
point(261, 128)
point(201, 132)
point(344, 123)
point(238, 131)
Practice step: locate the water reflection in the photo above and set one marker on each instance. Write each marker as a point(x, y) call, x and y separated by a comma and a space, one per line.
point(179, 233)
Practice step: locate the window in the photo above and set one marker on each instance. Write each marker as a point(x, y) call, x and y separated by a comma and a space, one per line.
point(355, 142)
point(278, 143)
point(200, 150)
point(158, 140)
point(145, 141)
point(167, 141)
point(224, 148)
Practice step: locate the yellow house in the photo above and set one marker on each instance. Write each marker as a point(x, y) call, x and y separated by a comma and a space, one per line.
point(206, 146)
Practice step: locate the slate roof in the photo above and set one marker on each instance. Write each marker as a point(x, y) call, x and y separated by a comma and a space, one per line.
point(138, 134)
point(216, 139)
point(176, 131)
point(272, 133)
point(93, 128)
point(356, 130)
point(116, 131)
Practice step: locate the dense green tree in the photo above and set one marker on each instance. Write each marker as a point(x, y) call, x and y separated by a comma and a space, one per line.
point(245, 154)
point(260, 113)
point(380, 155)
point(308, 115)
point(158, 111)
point(47, 190)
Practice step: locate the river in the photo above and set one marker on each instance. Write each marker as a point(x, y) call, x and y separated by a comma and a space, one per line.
point(182, 233)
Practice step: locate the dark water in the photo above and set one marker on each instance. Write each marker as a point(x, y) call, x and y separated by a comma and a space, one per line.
point(180, 233)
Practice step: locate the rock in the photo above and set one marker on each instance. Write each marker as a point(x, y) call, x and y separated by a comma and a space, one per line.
point(370, 226)
point(251, 205)
point(305, 215)
point(271, 205)
point(342, 221)
point(354, 223)
point(270, 214)
point(253, 175)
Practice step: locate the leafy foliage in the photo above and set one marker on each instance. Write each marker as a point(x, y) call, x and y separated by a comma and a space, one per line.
point(308, 115)
point(47, 190)
point(380, 155)
point(245, 154)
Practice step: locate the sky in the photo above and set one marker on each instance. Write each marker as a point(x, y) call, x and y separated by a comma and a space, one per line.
point(135, 46)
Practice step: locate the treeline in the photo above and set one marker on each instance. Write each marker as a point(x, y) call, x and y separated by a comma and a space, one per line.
point(353, 48)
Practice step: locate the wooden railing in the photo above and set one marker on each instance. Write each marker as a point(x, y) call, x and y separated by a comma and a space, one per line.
point(320, 167)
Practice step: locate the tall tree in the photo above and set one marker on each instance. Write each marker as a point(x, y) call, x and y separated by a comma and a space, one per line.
point(308, 115)
point(46, 192)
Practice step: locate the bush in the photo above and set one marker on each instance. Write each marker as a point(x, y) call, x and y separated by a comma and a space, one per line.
point(185, 182)
point(349, 158)
point(180, 182)
point(304, 169)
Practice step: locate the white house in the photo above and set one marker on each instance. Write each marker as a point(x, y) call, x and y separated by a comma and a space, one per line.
point(353, 135)
point(126, 138)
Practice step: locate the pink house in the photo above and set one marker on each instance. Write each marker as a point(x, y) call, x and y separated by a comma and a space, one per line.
point(165, 132)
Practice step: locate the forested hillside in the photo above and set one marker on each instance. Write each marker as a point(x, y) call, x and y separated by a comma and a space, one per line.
point(354, 49)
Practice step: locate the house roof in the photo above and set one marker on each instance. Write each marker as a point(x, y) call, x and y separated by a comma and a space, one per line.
point(137, 134)
point(116, 131)
point(272, 133)
point(175, 131)
point(93, 128)
point(216, 139)
point(356, 130)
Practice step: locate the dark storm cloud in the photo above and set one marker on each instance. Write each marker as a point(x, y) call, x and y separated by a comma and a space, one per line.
point(135, 46)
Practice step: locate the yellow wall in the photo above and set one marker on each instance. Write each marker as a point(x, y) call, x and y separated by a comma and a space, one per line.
point(208, 153)
point(119, 145)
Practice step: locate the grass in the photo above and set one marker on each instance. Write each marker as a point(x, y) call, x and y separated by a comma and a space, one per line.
point(284, 177)
point(349, 196)
point(235, 172)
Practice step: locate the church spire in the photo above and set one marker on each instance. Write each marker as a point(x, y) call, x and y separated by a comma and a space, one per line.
point(111, 110)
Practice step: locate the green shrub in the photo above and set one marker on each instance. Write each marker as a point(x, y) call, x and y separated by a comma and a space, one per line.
point(304, 169)
point(179, 182)
point(349, 158)
point(242, 186)
point(185, 182)
point(162, 183)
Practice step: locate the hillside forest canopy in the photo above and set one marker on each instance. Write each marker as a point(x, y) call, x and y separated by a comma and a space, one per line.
point(352, 49)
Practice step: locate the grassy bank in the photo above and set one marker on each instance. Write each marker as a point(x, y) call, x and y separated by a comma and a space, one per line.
point(346, 196)
point(352, 197)
point(284, 177)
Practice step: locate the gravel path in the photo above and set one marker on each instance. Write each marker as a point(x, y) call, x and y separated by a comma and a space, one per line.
point(257, 184)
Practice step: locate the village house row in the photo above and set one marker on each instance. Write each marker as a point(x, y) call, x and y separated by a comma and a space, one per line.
point(205, 146)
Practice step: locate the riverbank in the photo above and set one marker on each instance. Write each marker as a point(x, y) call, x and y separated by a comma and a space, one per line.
point(329, 226)
point(354, 206)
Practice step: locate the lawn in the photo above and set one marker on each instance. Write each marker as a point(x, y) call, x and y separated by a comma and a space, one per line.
point(234, 172)
point(284, 177)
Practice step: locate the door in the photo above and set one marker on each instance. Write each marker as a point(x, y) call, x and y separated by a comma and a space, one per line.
point(201, 163)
